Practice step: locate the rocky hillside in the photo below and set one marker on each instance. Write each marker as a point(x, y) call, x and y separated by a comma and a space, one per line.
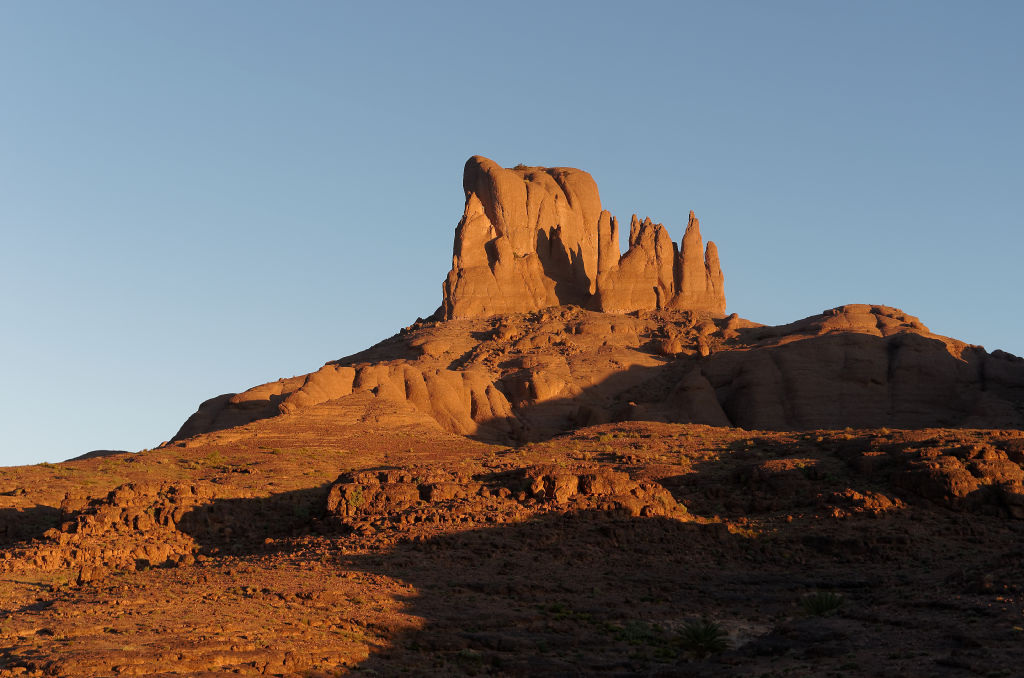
point(337, 541)
point(545, 326)
point(529, 376)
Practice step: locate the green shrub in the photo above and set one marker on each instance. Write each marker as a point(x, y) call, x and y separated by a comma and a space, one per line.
point(703, 637)
point(215, 460)
point(821, 603)
point(355, 497)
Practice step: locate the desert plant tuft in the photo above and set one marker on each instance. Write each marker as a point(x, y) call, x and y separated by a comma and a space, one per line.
point(703, 637)
point(821, 603)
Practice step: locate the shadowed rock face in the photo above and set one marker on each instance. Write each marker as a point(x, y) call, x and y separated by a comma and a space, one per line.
point(535, 237)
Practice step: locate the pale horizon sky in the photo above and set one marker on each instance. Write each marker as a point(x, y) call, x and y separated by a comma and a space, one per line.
point(201, 197)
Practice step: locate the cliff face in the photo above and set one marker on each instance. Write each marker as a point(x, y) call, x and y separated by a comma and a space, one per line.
point(535, 237)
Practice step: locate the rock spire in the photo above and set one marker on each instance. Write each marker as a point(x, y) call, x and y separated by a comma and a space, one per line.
point(534, 237)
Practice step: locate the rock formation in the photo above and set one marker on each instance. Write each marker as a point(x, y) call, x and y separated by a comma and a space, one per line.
point(535, 237)
point(416, 504)
point(546, 327)
point(529, 376)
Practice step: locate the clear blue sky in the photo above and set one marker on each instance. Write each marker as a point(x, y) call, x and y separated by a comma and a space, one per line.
point(197, 197)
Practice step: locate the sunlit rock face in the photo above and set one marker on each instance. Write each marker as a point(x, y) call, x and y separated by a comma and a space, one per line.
point(535, 237)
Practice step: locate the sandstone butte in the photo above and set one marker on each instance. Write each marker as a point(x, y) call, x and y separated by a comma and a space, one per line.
point(545, 327)
point(575, 460)
point(535, 237)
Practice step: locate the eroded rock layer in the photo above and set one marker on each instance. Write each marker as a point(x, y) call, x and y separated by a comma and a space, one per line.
point(529, 376)
point(535, 237)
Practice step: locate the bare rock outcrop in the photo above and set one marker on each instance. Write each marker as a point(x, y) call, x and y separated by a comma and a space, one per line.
point(864, 366)
point(135, 524)
point(655, 274)
point(404, 497)
point(535, 237)
point(532, 375)
point(546, 326)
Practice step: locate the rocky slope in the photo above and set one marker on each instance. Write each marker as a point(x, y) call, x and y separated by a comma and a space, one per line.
point(374, 547)
point(529, 376)
point(544, 326)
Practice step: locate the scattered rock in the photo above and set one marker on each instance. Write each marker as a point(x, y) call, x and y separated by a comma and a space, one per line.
point(399, 497)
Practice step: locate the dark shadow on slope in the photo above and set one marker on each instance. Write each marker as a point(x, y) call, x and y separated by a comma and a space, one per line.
point(220, 413)
point(604, 402)
point(18, 525)
point(95, 454)
point(828, 382)
point(590, 594)
point(256, 525)
point(847, 473)
point(925, 591)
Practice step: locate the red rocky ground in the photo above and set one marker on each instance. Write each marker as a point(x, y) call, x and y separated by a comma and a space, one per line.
point(290, 547)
